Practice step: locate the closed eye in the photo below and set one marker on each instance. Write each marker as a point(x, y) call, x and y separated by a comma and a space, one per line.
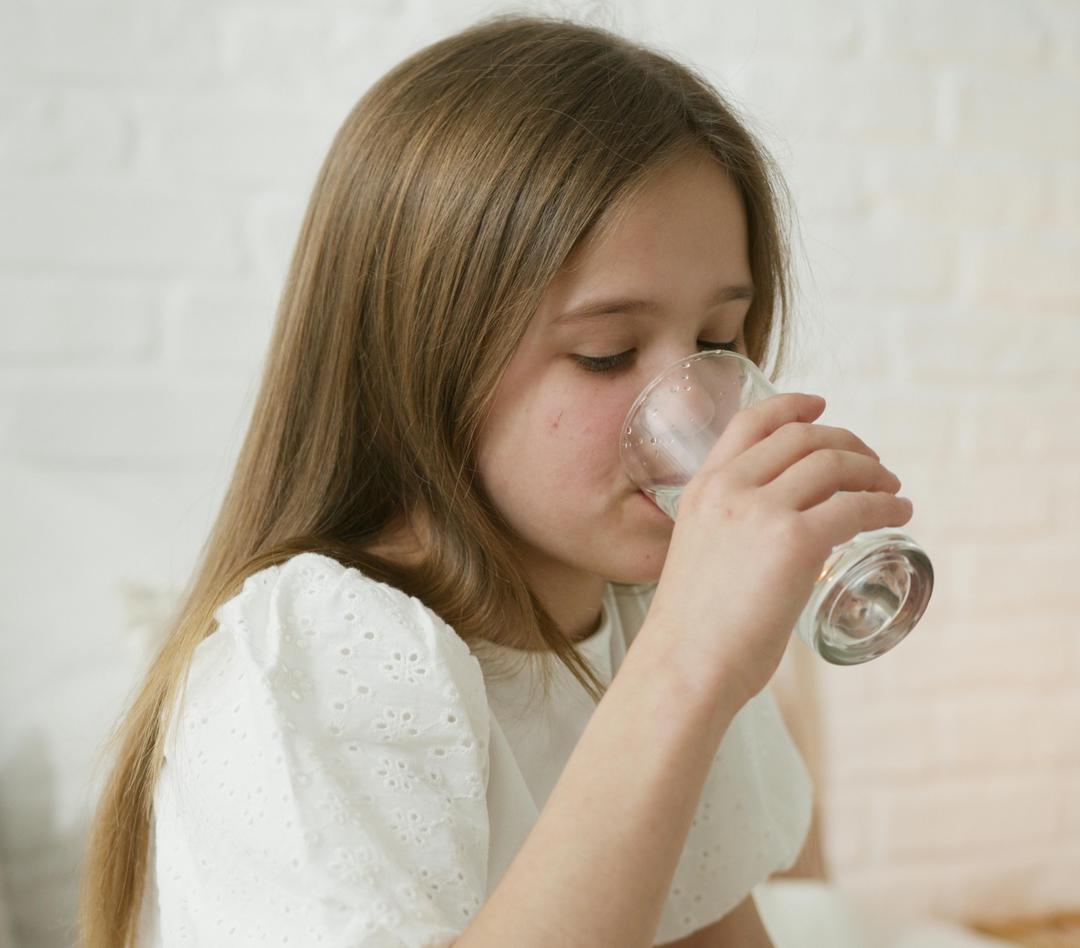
point(617, 361)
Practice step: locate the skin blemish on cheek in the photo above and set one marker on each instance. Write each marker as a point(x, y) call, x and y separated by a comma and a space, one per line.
point(555, 424)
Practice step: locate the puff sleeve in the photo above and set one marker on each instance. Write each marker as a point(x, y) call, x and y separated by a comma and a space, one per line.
point(325, 784)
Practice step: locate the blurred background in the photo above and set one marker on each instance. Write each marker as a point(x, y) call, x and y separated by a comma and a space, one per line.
point(155, 161)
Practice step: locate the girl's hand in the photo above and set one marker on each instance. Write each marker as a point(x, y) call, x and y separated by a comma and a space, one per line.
point(755, 525)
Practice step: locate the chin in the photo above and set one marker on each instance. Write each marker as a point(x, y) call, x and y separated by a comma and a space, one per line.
point(646, 570)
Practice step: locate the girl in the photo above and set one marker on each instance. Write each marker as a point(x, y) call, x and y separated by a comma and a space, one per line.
point(443, 676)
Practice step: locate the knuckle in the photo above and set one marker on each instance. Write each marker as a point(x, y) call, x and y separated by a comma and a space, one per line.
point(788, 531)
point(708, 486)
point(830, 459)
point(750, 427)
point(799, 432)
point(798, 542)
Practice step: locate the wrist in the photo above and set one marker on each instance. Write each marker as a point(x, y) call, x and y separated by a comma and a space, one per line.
point(687, 687)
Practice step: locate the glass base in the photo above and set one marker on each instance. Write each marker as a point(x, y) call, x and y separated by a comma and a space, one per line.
point(871, 593)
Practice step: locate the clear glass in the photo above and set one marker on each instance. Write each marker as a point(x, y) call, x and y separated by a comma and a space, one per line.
point(872, 589)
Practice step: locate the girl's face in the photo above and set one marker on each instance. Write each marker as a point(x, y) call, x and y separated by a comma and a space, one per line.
point(549, 452)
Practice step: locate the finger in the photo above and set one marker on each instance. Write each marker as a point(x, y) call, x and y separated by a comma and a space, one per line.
point(768, 459)
point(844, 515)
point(752, 424)
point(816, 477)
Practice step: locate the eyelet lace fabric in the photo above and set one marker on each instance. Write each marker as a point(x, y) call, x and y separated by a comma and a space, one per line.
point(340, 775)
point(326, 780)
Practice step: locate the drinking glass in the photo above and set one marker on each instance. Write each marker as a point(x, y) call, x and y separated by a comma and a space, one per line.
point(871, 590)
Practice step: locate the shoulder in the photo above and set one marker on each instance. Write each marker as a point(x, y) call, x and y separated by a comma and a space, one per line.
point(330, 769)
point(312, 601)
point(324, 640)
point(315, 648)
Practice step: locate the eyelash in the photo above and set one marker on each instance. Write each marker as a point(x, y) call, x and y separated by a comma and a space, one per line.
point(612, 363)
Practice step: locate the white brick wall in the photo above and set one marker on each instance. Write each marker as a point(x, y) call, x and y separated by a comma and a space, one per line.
point(155, 160)
point(950, 245)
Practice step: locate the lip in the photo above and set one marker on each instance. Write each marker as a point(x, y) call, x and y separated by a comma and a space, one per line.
point(650, 501)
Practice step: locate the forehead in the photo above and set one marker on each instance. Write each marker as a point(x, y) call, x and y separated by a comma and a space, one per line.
point(684, 227)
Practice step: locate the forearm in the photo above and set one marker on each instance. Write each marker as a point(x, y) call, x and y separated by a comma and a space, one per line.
point(596, 869)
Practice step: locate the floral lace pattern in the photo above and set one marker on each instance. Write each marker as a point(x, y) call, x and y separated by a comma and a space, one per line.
point(325, 780)
point(341, 775)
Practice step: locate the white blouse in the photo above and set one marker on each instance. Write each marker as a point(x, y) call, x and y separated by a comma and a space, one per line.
point(341, 774)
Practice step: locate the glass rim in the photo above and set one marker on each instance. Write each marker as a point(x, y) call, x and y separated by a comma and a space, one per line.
point(663, 374)
point(651, 386)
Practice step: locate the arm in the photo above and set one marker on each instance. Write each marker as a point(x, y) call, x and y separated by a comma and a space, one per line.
point(740, 928)
point(795, 690)
point(630, 787)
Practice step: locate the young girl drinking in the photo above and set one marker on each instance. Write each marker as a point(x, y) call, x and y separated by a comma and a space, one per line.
point(443, 675)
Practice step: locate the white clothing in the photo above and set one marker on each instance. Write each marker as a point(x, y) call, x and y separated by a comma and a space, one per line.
point(342, 775)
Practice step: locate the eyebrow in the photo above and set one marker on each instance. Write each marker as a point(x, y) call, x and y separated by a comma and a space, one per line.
point(630, 305)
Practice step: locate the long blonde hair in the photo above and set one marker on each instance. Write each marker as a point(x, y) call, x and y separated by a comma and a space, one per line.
point(450, 197)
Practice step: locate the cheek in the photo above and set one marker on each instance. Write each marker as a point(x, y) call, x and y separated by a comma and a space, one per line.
point(584, 435)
